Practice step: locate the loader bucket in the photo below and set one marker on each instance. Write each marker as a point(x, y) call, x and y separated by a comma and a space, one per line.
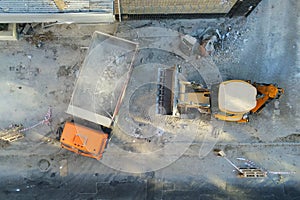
point(165, 91)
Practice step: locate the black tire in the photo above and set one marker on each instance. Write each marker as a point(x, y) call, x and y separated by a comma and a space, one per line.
point(59, 132)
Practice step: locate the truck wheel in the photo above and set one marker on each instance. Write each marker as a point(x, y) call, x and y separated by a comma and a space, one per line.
point(59, 132)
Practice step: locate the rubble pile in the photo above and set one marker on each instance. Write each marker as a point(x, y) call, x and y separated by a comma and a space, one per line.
point(38, 39)
point(232, 37)
point(220, 39)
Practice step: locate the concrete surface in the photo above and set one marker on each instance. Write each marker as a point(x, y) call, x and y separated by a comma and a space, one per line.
point(263, 48)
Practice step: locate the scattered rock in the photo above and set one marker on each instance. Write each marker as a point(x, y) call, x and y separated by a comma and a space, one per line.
point(39, 39)
point(68, 71)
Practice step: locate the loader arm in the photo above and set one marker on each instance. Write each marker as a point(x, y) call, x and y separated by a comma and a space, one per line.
point(267, 92)
point(231, 118)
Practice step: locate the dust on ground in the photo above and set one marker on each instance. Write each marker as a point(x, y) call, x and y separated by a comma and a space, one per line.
point(261, 48)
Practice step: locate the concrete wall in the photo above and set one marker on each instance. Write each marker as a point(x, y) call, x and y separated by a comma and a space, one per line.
point(163, 8)
point(174, 6)
point(10, 34)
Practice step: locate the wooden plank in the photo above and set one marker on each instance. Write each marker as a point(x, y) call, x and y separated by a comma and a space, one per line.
point(60, 4)
point(252, 173)
point(12, 134)
point(12, 137)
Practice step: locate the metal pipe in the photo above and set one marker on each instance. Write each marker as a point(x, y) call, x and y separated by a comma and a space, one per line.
point(271, 172)
point(119, 9)
point(231, 163)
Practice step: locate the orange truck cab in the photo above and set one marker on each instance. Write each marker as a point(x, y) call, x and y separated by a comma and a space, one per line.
point(83, 141)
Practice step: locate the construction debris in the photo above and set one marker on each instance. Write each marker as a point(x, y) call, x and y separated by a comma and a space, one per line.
point(39, 39)
point(251, 170)
point(26, 29)
point(12, 133)
point(189, 40)
point(187, 44)
point(252, 173)
point(15, 131)
point(206, 47)
point(222, 154)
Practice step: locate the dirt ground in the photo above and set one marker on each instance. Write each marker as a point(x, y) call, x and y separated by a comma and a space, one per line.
point(149, 156)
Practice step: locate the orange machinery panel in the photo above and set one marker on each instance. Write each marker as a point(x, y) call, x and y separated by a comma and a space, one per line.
point(83, 141)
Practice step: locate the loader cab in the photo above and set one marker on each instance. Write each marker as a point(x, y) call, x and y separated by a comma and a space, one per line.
point(233, 100)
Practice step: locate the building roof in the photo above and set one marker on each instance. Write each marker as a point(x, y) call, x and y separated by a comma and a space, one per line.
point(27, 11)
point(49, 6)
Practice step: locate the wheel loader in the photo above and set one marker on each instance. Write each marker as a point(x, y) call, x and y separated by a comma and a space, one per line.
point(231, 100)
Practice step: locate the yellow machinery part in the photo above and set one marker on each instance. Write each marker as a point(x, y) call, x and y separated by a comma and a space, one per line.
point(268, 92)
point(233, 118)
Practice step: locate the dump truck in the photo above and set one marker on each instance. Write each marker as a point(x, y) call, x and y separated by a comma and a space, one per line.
point(83, 140)
point(231, 100)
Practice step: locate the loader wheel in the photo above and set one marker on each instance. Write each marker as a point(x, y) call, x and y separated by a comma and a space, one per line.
point(280, 92)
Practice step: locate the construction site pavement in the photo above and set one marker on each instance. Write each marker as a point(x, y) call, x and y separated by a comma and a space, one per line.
point(34, 78)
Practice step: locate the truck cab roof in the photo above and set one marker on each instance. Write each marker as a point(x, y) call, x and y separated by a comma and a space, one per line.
point(83, 140)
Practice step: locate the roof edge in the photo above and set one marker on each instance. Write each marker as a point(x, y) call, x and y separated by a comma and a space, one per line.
point(64, 18)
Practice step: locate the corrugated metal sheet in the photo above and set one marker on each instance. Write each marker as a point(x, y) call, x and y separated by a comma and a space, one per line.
point(48, 6)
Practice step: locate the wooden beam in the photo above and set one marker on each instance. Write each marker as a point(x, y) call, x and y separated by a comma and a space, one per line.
point(60, 4)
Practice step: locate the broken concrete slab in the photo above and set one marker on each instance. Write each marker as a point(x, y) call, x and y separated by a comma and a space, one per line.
point(187, 44)
point(63, 168)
